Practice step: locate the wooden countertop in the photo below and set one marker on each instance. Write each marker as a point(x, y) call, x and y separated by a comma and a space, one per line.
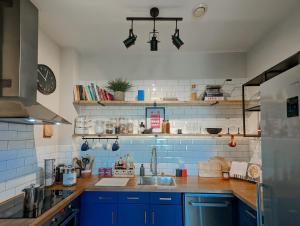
point(243, 190)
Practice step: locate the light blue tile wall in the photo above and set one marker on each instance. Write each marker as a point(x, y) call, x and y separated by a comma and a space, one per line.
point(171, 151)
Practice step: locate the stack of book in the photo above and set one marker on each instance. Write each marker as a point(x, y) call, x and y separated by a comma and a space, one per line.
point(91, 92)
point(213, 93)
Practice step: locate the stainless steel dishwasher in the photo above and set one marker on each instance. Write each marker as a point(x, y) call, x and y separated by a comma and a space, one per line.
point(209, 210)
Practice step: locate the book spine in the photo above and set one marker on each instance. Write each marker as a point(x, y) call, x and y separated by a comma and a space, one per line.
point(99, 93)
point(94, 91)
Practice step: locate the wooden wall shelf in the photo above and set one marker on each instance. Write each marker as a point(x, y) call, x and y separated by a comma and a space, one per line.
point(157, 103)
point(154, 135)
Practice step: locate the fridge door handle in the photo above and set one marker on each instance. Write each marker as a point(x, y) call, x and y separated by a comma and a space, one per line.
point(210, 204)
point(259, 187)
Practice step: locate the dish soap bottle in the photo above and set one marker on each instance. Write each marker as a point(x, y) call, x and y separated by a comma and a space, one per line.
point(142, 170)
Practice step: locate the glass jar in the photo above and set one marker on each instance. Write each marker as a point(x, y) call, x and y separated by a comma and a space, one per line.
point(109, 127)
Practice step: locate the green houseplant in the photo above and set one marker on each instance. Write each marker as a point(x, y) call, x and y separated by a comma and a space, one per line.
point(119, 87)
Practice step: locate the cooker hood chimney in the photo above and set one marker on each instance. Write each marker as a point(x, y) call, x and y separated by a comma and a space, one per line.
point(18, 65)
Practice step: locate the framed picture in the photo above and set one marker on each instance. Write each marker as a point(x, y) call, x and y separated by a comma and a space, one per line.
point(154, 118)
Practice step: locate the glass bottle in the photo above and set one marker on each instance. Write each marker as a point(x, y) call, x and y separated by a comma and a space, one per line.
point(194, 92)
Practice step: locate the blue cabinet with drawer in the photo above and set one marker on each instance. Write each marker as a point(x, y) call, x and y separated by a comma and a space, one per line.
point(247, 215)
point(166, 209)
point(131, 209)
point(99, 209)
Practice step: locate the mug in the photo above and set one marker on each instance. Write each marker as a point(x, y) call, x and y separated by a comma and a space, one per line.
point(85, 146)
point(115, 146)
point(107, 146)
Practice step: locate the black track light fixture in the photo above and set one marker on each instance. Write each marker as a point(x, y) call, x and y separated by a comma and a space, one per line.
point(176, 39)
point(131, 38)
point(154, 39)
point(153, 36)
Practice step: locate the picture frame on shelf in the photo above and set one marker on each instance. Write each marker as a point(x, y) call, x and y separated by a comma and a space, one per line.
point(154, 118)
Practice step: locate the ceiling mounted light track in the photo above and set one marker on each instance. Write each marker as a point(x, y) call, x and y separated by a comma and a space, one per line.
point(154, 12)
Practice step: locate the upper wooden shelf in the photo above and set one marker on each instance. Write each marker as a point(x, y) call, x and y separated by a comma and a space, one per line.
point(157, 103)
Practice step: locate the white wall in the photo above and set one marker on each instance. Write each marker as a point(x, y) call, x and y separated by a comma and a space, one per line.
point(48, 54)
point(69, 77)
point(163, 66)
point(282, 42)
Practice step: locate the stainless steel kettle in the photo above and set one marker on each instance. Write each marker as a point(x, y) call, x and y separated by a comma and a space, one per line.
point(33, 197)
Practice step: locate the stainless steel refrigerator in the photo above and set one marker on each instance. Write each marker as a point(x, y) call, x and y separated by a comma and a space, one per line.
point(281, 149)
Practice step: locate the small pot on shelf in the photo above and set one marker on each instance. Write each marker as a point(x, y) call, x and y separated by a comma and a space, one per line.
point(119, 96)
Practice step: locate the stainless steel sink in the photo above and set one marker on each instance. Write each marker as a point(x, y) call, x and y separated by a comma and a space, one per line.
point(157, 181)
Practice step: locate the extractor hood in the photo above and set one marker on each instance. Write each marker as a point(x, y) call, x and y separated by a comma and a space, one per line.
point(18, 65)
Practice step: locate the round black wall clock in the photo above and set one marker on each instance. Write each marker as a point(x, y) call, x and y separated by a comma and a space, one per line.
point(46, 82)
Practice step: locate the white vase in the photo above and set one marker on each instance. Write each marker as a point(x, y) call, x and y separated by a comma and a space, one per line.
point(119, 96)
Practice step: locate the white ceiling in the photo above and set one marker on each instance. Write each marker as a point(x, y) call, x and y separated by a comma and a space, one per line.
point(99, 26)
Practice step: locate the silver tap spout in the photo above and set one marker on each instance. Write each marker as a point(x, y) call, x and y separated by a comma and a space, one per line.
point(153, 164)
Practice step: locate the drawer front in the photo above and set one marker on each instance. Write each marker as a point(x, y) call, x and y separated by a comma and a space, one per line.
point(134, 197)
point(100, 197)
point(167, 198)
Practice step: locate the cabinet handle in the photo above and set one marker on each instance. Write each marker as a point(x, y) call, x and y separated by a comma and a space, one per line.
point(145, 217)
point(133, 198)
point(112, 217)
point(259, 187)
point(210, 204)
point(153, 217)
point(250, 214)
point(104, 198)
point(165, 199)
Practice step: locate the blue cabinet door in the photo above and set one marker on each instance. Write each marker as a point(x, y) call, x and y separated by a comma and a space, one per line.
point(133, 214)
point(247, 215)
point(98, 214)
point(166, 215)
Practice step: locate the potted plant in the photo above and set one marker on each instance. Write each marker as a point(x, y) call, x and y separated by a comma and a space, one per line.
point(119, 87)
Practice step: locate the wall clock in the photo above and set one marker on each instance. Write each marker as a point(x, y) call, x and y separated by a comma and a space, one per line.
point(46, 82)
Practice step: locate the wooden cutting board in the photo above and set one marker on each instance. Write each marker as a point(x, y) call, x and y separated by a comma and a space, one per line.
point(112, 182)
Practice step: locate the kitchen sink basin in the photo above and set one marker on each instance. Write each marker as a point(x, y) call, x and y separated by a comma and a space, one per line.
point(157, 181)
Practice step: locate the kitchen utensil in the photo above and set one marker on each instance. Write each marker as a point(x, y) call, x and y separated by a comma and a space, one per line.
point(115, 146)
point(78, 172)
point(85, 146)
point(59, 172)
point(33, 196)
point(79, 163)
point(214, 130)
point(69, 177)
point(86, 173)
point(232, 142)
point(49, 169)
point(85, 161)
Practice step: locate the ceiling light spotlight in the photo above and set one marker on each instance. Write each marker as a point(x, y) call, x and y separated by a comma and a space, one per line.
point(176, 39)
point(131, 38)
point(200, 10)
point(154, 42)
point(154, 39)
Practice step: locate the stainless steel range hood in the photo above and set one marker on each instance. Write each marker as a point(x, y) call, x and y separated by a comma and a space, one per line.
point(18, 65)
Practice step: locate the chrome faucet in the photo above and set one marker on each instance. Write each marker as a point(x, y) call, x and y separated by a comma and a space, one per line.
point(153, 163)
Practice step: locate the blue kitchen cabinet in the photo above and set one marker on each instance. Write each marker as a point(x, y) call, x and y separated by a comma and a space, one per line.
point(166, 209)
point(247, 215)
point(98, 209)
point(131, 209)
point(98, 215)
point(133, 214)
point(162, 215)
